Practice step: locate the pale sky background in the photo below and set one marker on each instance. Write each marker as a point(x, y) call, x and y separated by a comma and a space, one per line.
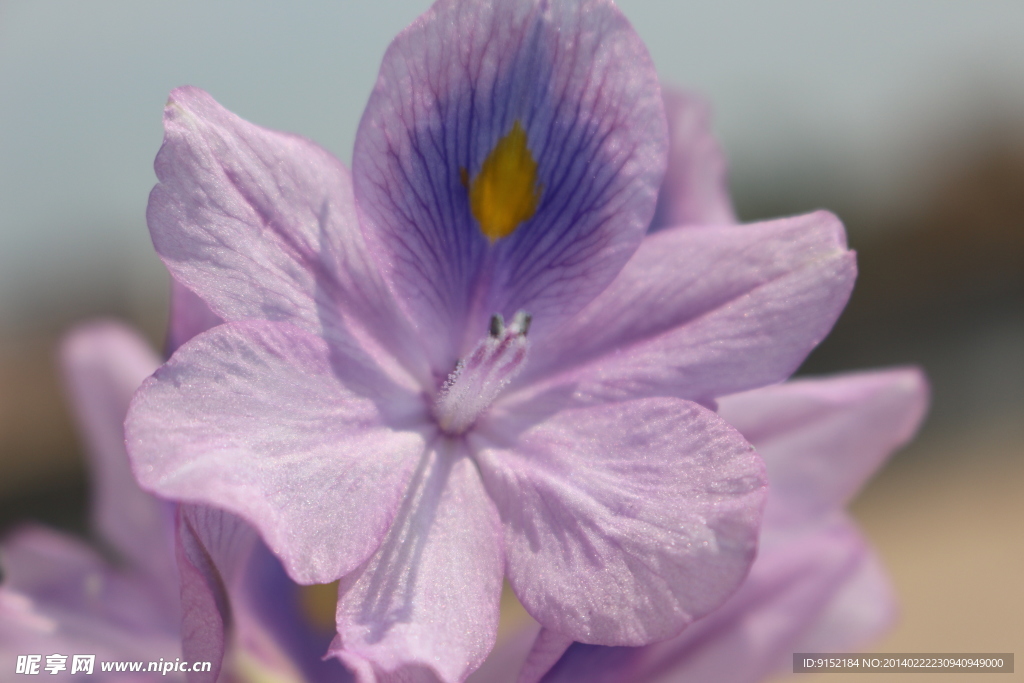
point(846, 97)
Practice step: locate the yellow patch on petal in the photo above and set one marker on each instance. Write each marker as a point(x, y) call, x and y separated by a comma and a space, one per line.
point(505, 192)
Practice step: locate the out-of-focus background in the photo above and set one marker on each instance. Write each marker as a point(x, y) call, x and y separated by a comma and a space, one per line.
point(905, 118)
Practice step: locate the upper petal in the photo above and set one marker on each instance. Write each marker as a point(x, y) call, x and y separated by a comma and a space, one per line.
point(271, 423)
point(568, 93)
point(623, 522)
point(262, 225)
point(822, 438)
point(103, 364)
point(695, 190)
point(425, 607)
point(701, 312)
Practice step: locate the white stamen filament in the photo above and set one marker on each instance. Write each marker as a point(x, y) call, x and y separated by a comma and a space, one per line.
point(479, 377)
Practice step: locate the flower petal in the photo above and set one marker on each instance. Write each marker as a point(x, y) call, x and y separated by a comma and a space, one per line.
point(262, 225)
point(822, 438)
point(695, 190)
point(623, 522)
point(212, 550)
point(425, 607)
point(703, 312)
point(861, 610)
point(103, 364)
point(189, 316)
point(234, 589)
point(563, 91)
point(64, 595)
point(750, 637)
point(321, 479)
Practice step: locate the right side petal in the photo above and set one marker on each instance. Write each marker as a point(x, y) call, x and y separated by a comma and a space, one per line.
point(701, 312)
point(269, 422)
point(624, 521)
point(262, 225)
point(822, 438)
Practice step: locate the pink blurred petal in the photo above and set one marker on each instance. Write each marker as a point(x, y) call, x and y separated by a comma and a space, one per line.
point(58, 592)
point(623, 522)
point(425, 607)
point(581, 84)
point(862, 609)
point(266, 421)
point(695, 189)
point(103, 364)
point(822, 438)
point(703, 312)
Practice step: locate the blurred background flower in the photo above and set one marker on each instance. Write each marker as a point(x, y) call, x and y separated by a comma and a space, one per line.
point(905, 119)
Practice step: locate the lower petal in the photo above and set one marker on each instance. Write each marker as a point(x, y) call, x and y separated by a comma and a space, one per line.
point(790, 588)
point(425, 607)
point(623, 522)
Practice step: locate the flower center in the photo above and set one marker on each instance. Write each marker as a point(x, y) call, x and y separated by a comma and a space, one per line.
point(480, 376)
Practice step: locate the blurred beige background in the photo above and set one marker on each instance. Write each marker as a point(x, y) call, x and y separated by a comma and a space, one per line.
point(906, 118)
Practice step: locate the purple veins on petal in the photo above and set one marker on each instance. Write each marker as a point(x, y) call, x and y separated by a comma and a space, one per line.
point(454, 91)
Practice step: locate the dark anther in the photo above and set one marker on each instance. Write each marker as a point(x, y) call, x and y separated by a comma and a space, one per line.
point(527, 319)
point(497, 326)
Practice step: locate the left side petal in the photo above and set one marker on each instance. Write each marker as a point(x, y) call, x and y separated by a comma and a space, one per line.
point(425, 607)
point(269, 422)
point(71, 597)
point(822, 438)
point(103, 364)
point(576, 82)
point(701, 312)
point(623, 522)
point(262, 225)
point(695, 189)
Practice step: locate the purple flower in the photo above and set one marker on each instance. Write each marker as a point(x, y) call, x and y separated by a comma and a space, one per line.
point(816, 586)
point(466, 361)
point(225, 592)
